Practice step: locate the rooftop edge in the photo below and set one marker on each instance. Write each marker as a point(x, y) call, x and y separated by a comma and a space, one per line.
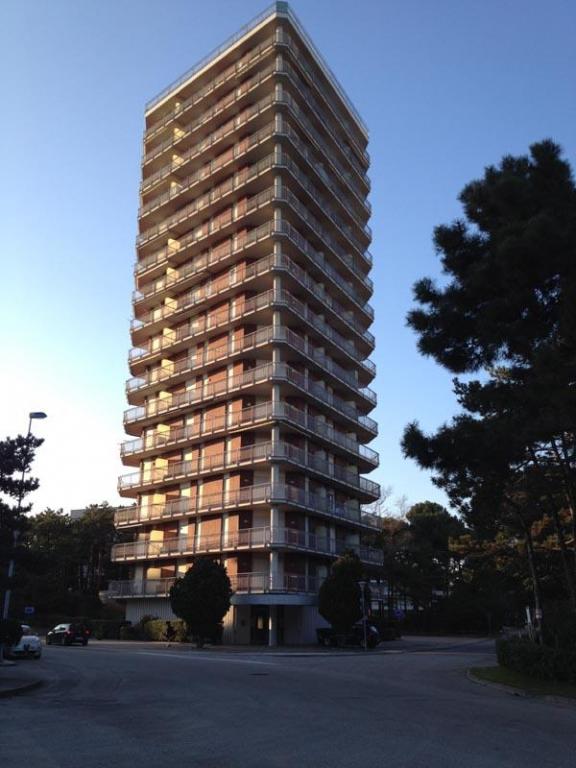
point(283, 10)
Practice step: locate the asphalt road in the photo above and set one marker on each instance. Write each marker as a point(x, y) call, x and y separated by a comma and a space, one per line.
point(119, 706)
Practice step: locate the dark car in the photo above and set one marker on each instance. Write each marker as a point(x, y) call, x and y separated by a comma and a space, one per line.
point(329, 637)
point(67, 634)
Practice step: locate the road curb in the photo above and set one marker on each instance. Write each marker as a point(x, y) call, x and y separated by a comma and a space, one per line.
point(521, 693)
point(18, 689)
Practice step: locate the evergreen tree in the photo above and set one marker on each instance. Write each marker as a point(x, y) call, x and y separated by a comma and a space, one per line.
point(202, 598)
point(508, 312)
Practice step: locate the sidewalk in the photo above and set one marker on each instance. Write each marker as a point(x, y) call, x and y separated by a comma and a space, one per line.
point(388, 647)
point(18, 678)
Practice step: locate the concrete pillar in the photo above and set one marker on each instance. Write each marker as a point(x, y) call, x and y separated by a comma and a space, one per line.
point(272, 626)
point(275, 394)
point(277, 258)
point(275, 577)
point(275, 474)
point(275, 437)
point(278, 187)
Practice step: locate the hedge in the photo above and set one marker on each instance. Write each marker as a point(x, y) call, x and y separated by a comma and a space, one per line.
point(538, 661)
point(153, 629)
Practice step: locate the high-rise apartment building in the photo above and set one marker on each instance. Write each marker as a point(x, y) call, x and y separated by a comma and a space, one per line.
point(251, 342)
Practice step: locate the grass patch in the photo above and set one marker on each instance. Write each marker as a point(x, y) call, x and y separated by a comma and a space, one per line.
point(504, 676)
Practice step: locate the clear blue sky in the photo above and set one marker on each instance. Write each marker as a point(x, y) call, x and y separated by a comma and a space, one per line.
point(445, 86)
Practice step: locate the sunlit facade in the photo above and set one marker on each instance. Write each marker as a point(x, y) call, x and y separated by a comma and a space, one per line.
point(249, 397)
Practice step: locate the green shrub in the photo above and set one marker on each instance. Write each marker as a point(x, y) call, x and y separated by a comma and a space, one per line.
point(132, 632)
point(538, 661)
point(559, 626)
point(155, 629)
point(151, 628)
point(103, 629)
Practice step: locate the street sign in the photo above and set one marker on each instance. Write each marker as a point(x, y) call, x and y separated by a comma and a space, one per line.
point(29, 610)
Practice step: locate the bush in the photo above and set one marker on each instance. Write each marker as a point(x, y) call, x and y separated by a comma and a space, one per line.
point(103, 629)
point(538, 661)
point(155, 629)
point(151, 628)
point(559, 626)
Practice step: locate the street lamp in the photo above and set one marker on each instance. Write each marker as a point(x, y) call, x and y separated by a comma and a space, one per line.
point(15, 534)
point(362, 585)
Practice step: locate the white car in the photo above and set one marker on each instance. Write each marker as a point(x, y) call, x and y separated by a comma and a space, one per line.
point(28, 645)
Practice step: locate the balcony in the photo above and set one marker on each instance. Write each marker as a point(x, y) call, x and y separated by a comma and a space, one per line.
point(248, 497)
point(321, 202)
point(232, 183)
point(230, 73)
point(231, 99)
point(322, 119)
point(254, 416)
point(242, 583)
point(215, 224)
point(202, 326)
point(287, 41)
point(319, 260)
point(264, 337)
point(241, 178)
point(210, 167)
point(234, 214)
point(351, 186)
point(281, 451)
point(269, 372)
point(199, 266)
point(212, 139)
point(264, 538)
point(205, 465)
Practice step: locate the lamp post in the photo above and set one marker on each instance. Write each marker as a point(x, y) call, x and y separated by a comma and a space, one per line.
point(15, 534)
point(362, 585)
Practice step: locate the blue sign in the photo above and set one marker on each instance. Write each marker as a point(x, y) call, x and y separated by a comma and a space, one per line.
point(29, 610)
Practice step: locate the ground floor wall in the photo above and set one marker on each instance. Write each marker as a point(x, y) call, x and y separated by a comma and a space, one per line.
point(247, 624)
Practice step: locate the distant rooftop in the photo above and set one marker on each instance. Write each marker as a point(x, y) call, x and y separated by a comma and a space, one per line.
point(281, 9)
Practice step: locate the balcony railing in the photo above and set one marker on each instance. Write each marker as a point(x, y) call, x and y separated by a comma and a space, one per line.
point(247, 455)
point(246, 417)
point(235, 182)
point(264, 337)
point(234, 214)
point(200, 324)
point(241, 583)
point(288, 42)
point(210, 464)
point(203, 325)
point(316, 140)
point(304, 180)
point(211, 166)
point(243, 539)
point(209, 114)
point(235, 70)
point(223, 251)
point(249, 496)
point(308, 98)
point(267, 372)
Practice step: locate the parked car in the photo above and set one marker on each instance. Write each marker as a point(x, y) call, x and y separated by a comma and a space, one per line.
point(329, 637)
point(67, 634)
point(28, 645)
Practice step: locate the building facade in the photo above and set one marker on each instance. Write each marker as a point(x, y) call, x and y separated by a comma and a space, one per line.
point(250, 366)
